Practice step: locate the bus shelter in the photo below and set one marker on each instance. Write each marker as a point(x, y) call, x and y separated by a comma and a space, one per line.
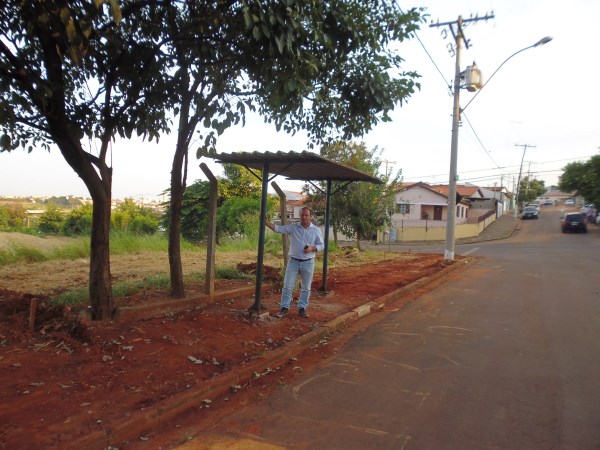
point(302, 166)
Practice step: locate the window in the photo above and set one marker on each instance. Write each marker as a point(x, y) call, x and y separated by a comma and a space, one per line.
point(402, 208)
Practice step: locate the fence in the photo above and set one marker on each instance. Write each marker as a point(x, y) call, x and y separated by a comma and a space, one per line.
point(434, 230)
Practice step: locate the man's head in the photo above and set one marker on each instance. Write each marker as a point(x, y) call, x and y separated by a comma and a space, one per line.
point(305, 216)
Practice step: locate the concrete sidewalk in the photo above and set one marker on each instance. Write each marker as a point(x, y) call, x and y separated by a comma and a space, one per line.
point(502, 228)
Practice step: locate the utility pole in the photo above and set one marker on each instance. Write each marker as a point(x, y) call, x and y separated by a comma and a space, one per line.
point(516, 208)
point(386, 166)
point(456, 28)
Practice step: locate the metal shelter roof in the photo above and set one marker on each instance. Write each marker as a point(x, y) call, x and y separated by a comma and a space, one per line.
point(297, 166)
point(306, 166)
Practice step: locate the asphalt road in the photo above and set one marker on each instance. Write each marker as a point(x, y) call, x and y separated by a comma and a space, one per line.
point(505, 355)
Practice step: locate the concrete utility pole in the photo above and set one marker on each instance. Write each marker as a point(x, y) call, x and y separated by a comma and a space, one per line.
point(386, 166)
point(516, 208)
point(459, 39)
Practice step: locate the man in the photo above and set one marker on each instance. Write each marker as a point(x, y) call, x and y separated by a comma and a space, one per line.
point(305, 241)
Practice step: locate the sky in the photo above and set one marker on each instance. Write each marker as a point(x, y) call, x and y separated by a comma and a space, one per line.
point(541, 107)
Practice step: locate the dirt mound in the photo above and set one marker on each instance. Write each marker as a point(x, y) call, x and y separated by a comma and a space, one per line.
point(270, 274)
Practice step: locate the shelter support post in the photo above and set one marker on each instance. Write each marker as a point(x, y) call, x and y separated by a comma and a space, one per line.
point(283, 212)
point(209, 283)
point(326, 237)
point(261, 239)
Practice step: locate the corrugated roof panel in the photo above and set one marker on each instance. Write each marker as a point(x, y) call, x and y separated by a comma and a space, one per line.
point(306, 166)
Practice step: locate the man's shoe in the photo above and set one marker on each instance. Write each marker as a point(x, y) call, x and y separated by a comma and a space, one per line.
point(282, 312)
point(302, 312)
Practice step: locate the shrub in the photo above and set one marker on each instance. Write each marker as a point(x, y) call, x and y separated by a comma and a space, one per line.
point(51, 221)
point(143, 225)
point(79, 221)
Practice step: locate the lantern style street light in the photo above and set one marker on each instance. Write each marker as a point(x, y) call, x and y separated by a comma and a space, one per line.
point(456, 111)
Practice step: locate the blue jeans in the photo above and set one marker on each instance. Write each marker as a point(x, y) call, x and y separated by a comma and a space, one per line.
point(294, 268)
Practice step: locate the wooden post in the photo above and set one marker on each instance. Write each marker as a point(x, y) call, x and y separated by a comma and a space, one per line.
point(283, 212)
point(209, 280)
point(32, 313)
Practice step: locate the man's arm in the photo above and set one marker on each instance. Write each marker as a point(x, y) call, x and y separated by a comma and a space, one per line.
point(269, 225)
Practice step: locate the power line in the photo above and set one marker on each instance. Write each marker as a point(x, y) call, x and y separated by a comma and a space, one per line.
point(501, 168)
point(446, 83)
point(479, 140)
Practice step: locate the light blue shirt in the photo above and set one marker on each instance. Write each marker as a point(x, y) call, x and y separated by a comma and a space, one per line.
point(299, 237)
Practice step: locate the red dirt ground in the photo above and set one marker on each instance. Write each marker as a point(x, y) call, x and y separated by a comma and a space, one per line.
point(68, 378)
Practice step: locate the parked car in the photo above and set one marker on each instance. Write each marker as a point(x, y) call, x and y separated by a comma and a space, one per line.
point(573, 222)
point(570, 202)
point(530, 212)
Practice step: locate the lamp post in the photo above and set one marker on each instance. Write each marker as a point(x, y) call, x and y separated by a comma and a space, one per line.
point(456, 111)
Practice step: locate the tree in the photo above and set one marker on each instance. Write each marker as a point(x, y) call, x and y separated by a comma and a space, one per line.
point(583, 178)
point(530, 189)
point(325, 67)
point(238, 181)
point(12, 217)
point(359, 209)
point(51, 221)
point(79, 221)
point(130, 217)
point(75, 72)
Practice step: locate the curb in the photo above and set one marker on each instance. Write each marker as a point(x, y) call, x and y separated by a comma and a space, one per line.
point(135, 425)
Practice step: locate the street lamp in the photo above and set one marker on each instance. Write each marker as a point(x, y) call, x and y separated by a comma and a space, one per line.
point(456, 111)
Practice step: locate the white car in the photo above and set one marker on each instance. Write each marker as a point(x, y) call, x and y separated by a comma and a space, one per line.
point(569, 202)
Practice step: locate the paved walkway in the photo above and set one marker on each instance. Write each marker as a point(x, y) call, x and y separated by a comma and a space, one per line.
point(502, 228)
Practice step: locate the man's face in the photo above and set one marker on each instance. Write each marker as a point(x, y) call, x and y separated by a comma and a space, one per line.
point(305, 218)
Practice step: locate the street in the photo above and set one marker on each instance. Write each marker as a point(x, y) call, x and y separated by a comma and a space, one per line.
point(504, 355)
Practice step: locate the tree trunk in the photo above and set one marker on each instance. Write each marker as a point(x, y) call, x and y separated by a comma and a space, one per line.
point(175, 266)
point(178, 184)
point(97, 177)
point(100, 286)
point(335, 236)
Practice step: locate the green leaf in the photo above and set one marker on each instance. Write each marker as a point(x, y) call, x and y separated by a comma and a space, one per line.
point(116, 11)
point(5, 142)
point(256, 33)
point(279, 42)
point(247, 18)
point(65, 15)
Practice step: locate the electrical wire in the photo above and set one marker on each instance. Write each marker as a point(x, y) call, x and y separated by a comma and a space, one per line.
point(479, 140)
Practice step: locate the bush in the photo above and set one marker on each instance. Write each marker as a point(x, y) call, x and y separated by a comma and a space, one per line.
point(143, 225)
point(51, 221)
point(11, 218)
point(79, 221)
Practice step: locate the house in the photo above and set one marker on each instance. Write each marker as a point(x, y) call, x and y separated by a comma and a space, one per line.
point(420, 202)
point(294, 202)
point(501, 197)
point(421, 212)
point(553, 197)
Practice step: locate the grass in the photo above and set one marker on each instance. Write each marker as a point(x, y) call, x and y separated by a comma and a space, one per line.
point(120, 243)
point(123, 243)
point(122, 289)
